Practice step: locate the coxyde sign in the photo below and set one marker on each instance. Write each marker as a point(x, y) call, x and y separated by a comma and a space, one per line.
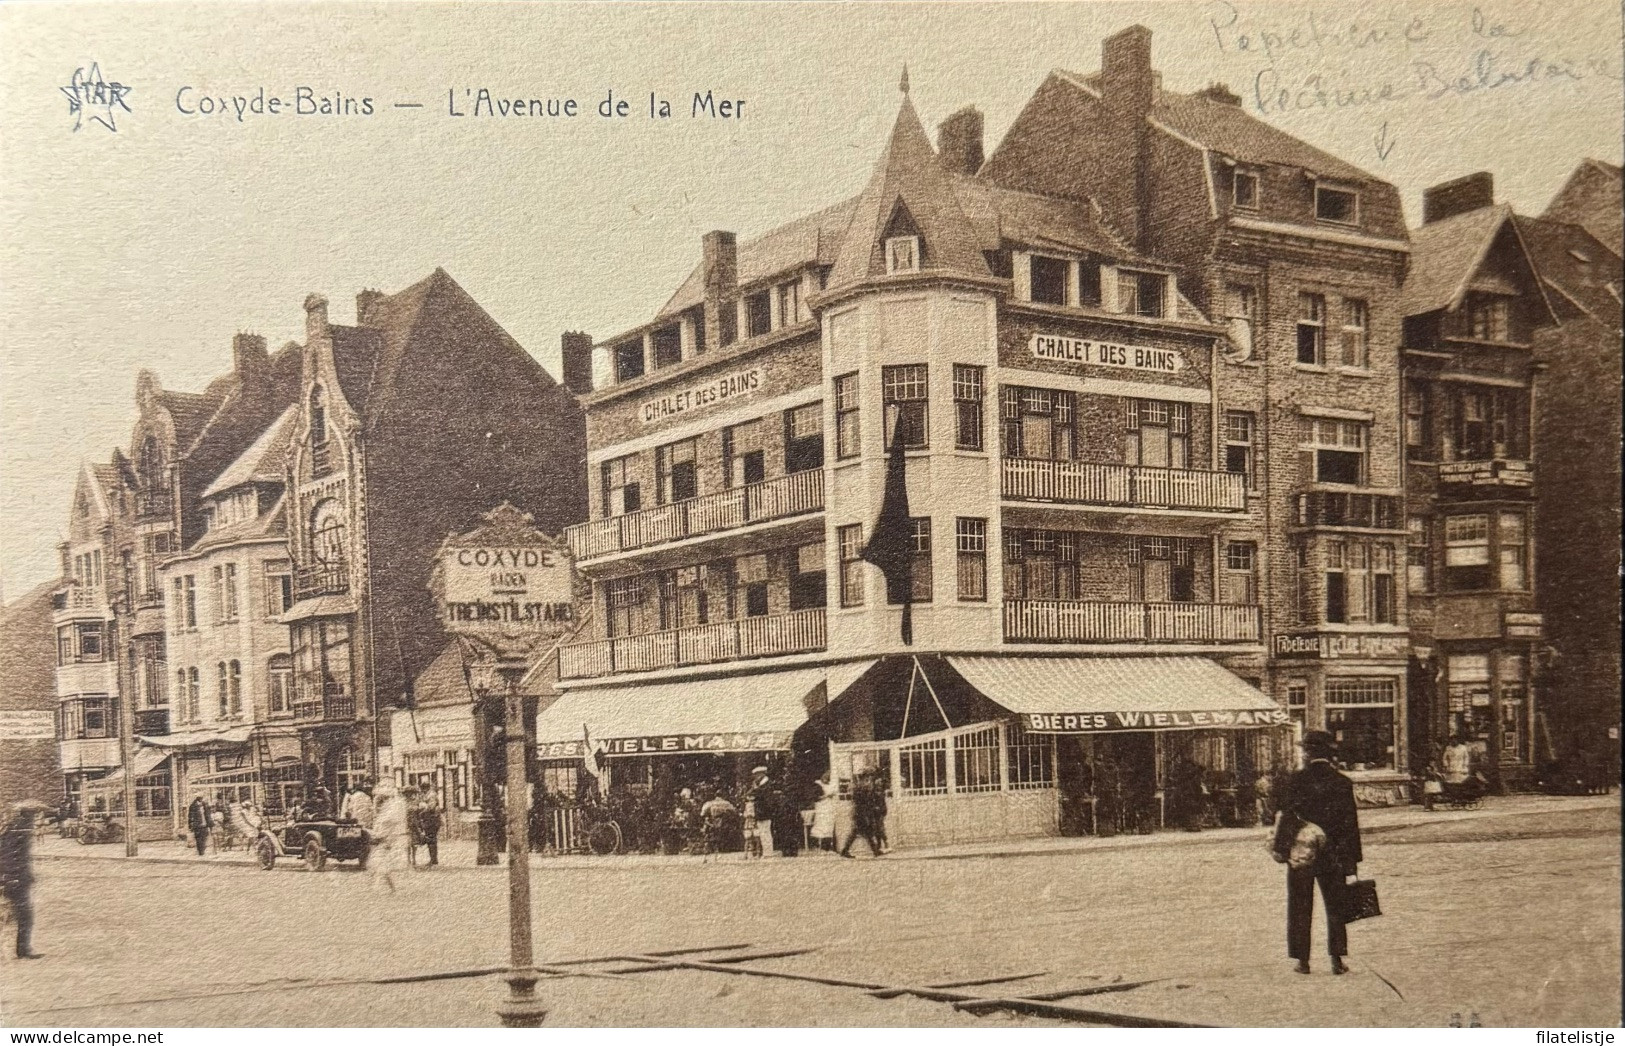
point(506, 578)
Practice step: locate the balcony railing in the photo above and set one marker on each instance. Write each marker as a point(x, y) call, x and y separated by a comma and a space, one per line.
point(1092, 483)
point(778, 498)
point(797, 632)
point(154, 503)
point(78, 597)
point(1069, 621)
point(1339, 508)
point(321, 579)
point(151, 722)
point(323, 703)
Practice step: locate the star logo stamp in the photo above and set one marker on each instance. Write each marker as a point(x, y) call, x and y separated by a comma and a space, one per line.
point(91, 96)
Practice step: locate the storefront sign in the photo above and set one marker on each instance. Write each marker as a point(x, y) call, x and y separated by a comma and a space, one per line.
point(1107, 722)
point(1334, 646)
point(1494, 473)
point(28, 726)
point(1063, 349)
point(1522, 626)
point(703, 394)
point(506, 585)
point(669, 744)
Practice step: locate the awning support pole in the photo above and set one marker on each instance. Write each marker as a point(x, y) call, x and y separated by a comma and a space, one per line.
point(908, 702)
point(933, 691)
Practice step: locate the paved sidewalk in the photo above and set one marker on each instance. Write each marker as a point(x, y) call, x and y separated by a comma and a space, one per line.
point(458, 855)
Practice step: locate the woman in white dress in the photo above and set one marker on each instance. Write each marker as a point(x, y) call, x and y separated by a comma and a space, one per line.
point(823, 822)
point(388, 835)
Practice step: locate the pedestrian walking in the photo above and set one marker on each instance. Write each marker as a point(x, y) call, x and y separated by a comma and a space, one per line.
point(360, 807)
point(197, 822)
point(760, 797)
point(414, 831)
point(17, 872)
point(1318, 837)
point(429, 821)
point(823, 823)
point(388, 836)
point(868, 814)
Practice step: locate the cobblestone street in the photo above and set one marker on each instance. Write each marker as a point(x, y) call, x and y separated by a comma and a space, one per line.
point(1510, 913)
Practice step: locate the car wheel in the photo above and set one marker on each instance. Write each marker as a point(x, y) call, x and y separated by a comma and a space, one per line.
point(315, 856)
point(605, 838)
point(265, 852)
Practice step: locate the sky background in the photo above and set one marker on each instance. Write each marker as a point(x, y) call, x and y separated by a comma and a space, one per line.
point(150, 247)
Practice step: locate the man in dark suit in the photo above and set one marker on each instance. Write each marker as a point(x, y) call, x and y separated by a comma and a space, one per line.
point(1322, 796)
point(197, 822)
point(17, 873)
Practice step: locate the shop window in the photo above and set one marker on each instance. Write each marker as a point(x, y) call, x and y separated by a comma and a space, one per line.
point(1467, 553)
point(668, 346)
point(976, 761)
point(968, 387)
point(1031, 759)
point(1297, 701)
point(1239, 427)
point(1333, 451)
point(847, 432)
point(904, 390)
point(1360, 715)
point(850, 539)
point(1244, 190)
point(676, 472)
point(629, 360)
point(278, 588)
point(1356, 334)
point(1512, 547)
point(743, 460)
point(1514, 708)
point(971, 539)
point(807, 587)
point(1469, 700)
point(1418, 554)
point(1312, 329)
point(1337, 205)
point(1048, 280)
point(804, 438)
point(1040, 424)
point(622, 493)
point(924, 768)
point(758, 314)
point(1240, 572)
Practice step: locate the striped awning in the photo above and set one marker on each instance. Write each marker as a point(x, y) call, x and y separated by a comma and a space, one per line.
point(1085, 695)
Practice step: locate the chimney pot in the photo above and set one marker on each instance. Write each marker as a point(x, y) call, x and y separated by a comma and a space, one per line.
point(1458, 196)
point(959, 141)
point(249, 357)
point(365, 301)
point(1126, 78)
point(315, 317)
point(719, 265)
point(576, 351)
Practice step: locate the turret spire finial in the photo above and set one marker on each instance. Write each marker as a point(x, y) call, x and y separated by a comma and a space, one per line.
point(904, 85)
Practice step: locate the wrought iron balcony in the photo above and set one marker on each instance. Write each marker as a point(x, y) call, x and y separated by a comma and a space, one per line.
point(1074, 621)
point(323, 703)
point(1126, 486)
point(777, 498)
point(1340, 508)
point(797, 632)
point(321, 579)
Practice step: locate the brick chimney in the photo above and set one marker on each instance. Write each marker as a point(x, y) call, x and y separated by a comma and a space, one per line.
point(575, 348)
point(1127, 88)
point(959, 141)
point(364, 303)
point(315, 318)
point(249, 357)
point(719, 265)
point(1220, 93)
point(1467, 193)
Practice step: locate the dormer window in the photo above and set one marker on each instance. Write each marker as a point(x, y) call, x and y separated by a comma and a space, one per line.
point(758, 314)
point(1141, 293)
point(1337, 205)
point(629, 360)
point(1244, 190)
point(902, 254)
point(1048, 283)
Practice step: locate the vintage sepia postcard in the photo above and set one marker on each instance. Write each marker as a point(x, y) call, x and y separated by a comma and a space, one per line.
point(727, 515)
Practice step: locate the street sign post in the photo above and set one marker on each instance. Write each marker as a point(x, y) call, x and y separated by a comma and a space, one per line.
point(507, 593)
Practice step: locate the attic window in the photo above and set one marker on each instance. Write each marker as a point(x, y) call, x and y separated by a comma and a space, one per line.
point(1048, 280)
point(1141, 293)
point(668, 346)
point(1337, 205)
point(1244, 191)
point(902, 254)
point(629, 360)
point(758, 314)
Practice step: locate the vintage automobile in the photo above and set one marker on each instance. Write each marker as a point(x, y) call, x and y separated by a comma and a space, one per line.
point(99, 828)
point(314, 842)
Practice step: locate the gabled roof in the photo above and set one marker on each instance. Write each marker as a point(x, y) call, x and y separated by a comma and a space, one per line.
point(1231, 130)
point(272, 523)
point(806, 241)
point(191, 411)
point(262, 462)
point(1576, 265)
point(442, 681)
point(285, 371)
point(1000, 215)
point(1445, 254)
point(1593, 197)
point(907, 177)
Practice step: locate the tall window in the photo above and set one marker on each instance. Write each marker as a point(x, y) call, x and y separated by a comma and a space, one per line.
point(1239, 426)
point(234, 680)
point(1334, 451)
point(1514, 704)
point(790, 303)
point(1360, 582)
point(188, 600)
point(1418, 435)
point(1487, 317)
point(194, 695)
point(1040, 564)
point(327, 542)
point(1241, 314)
point(1512, 546)
point(279, 685)
point(970, 536)
point(220, 671)
point(1467, 552)
point(1089, 286)
point(919, 564)
point(1489, 424)
point(1159, 434)
point(1356, 338)
point(1297, 700)
point(1360, 715)
point(804, 438)
point(968, 386)
point(847, 432)
point(1038, 423)
point(1312, 328)
point(1418, 554)
point(1240, 581)
point(225, 584)
point(629, 359)
point(278, 587)
point(906, 387)
point(676, 473)
point(667, 343)
point(743, 459)
point(758, 314)
point(1384, 594)
point(621, 491)
point(318, 417)
point(850, 539)
point(750, 586)
point(1301, 578)
point(1337, 587)
point(1048, 280)
point(623, 605)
